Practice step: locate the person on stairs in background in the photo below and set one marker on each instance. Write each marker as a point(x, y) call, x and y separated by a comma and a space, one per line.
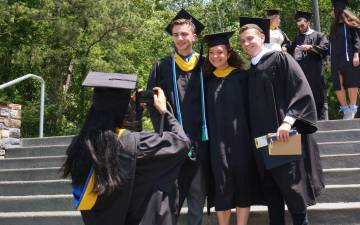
point(279, 41)
point(344, 56)
point(309, 48)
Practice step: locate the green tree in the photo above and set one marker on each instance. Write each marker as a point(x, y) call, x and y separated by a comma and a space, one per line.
point(61, 40)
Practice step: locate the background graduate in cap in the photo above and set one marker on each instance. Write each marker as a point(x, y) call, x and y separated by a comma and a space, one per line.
point(180, 76)
point(121, 177)
point(309, 48)
point(344, 56)
point(231, 149)
point(280, 99)
point(279, 41)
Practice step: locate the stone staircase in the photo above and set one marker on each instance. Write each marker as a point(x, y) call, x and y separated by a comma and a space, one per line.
point(32, 192)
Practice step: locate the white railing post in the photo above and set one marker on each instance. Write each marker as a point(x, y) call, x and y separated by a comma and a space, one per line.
point(42, 96)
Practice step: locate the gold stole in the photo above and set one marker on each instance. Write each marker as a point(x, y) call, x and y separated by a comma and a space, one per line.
point(89, 198)
point(187, 66)
point(223, 73)
point(272, 27)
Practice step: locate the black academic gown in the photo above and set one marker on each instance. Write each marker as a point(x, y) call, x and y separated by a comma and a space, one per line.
point(311, 62)
point(190, 103)
point(153, 163)
point(231, 149)
point(339, 60)
point(286, 43)
point(278, 88)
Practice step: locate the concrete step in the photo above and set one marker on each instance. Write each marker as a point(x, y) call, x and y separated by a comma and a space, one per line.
point(337, 135)
point(56, 140)
point(49, 150)
point(63, 202)
point(31, 174)
point(331, 148)
point(340, 176)
point(36, 203)
point(340, 193)
point(60, 150)
point(340, 161)
point(326, 148)
point(41, 218)
point(333, 176)
point(338, 124)
point(320, 214)
point(32, 162)
point(43, 187)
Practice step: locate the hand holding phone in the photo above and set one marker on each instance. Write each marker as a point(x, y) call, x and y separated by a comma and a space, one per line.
point(145, 97)
point(159, 100)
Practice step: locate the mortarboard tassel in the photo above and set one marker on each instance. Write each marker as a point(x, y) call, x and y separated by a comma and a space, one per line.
point(205, 135)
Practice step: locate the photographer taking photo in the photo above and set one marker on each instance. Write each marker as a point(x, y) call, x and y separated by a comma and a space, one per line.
point(118, 176)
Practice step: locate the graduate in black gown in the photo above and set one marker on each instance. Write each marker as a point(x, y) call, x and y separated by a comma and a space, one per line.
point(231, 148)
point(120, 177)
point(344, 56)
point(309, 48)
point(279, 41)
point(180, 76)
point(280, 99)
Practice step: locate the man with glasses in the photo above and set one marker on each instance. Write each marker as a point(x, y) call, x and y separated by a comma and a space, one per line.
point(309, 48)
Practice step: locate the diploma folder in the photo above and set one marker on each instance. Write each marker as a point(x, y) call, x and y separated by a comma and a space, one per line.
point(277, 148)
point(273, 156)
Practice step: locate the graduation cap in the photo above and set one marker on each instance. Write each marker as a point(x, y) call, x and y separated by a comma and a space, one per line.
point(340, 4)
point(110, 80)
point(218, 38)
point(302, 14)
point(183, 14)
point(260, 24)
point(272, 12)
point(111, 89)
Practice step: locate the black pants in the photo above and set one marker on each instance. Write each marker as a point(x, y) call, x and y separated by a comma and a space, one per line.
point(276, 207)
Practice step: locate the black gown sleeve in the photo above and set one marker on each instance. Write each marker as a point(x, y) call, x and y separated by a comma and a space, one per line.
point(292, 47)
point(298, 95)
point(155, 116)
point(172, 143)
point(322, 45)
point(355, 33)
point(286, 43)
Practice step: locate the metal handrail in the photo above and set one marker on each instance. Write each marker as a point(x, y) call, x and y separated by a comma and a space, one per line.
point(42, 96)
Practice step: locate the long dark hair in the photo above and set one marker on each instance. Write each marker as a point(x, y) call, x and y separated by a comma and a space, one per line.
point(345, 16)
point(98, 146)
point(234, 60)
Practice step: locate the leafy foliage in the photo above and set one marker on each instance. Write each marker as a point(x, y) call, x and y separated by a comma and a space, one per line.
point(61, 40)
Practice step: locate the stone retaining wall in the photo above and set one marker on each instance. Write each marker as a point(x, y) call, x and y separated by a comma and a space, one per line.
point(10, 123)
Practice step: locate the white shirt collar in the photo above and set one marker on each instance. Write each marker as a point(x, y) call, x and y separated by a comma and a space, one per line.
point(309, 31)
point(255, 60)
